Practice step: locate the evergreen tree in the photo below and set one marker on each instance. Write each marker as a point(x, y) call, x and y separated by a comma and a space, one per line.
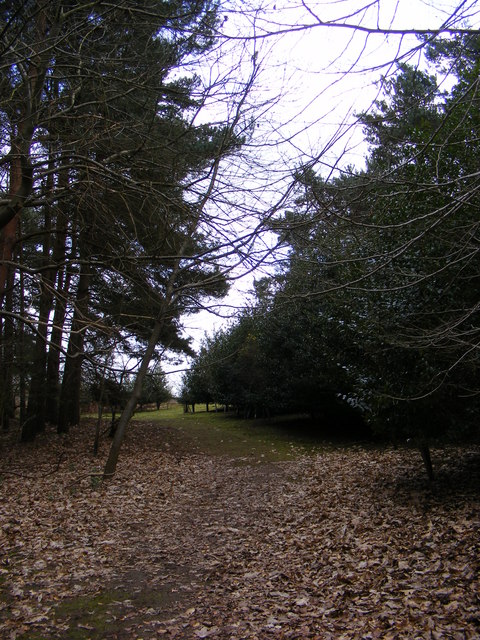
point(95, 97)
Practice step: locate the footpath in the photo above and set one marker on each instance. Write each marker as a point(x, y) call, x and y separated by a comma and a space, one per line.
point(188, 542)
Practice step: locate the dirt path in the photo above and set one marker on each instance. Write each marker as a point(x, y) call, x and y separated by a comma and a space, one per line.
point(346, 543)
point(205, 533)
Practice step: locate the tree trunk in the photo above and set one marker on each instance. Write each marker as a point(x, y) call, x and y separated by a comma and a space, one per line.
point(8, 238)
point(35, 422)
point(427, 460)
point(8, 234)
point(127, 413)
point(22, 385)
point(7, 399)
point(37, 391)
point(69, 406)
point(98, 426)
point(53, 357)
point(61, 293)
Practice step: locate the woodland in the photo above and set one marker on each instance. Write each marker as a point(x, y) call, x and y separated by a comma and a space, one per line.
point(126, 206)
point(371, 315)
point(146, 172)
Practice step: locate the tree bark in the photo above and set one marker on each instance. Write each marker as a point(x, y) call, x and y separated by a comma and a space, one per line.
point(427, 460)
point(8, 238)
point(69, 406)
point(7, 393)
point(8, 235)
point(35, 422)
point(53, 357)
point(63, 277)
point(127, 413)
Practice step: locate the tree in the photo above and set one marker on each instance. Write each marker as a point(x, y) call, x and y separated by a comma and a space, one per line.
point(384, 257)
point(155, 389)
point(279, 357)
point(196, 383)
point(122, 175)
point(378, 293)
point(399, 236)
point(121, 209)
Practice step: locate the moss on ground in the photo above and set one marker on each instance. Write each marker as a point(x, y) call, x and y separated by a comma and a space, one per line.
point(106, 614)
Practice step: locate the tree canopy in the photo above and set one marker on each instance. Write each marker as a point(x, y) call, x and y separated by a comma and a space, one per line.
point(376, 301)
point(106, 174)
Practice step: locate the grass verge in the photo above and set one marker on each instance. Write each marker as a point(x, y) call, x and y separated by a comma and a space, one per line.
point(219, 433)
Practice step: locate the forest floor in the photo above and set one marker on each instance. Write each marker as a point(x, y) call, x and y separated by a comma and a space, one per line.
point(217, 529)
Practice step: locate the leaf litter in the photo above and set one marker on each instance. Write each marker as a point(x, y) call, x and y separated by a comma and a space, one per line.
point(343, 543)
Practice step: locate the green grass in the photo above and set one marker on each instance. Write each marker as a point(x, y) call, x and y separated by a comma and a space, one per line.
point(89, 616)
point(219, 433)
point(225, 434)
point(93, 617)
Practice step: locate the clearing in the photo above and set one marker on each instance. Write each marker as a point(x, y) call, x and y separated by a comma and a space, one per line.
point(219, 528)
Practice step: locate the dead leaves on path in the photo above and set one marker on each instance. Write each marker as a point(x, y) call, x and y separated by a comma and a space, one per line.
point(336, 547)
point(345, 544)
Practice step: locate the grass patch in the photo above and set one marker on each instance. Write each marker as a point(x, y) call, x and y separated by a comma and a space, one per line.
point(105, 614)
point(225, 434)
point(95, 617)
point(130, 601)
point(87, 617)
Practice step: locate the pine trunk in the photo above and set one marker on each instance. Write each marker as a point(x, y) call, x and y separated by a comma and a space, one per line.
point(69, 405)
point(127, 413)
point(35, 422)
point(63, 278)
point(427, 460)
point(8, 238)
